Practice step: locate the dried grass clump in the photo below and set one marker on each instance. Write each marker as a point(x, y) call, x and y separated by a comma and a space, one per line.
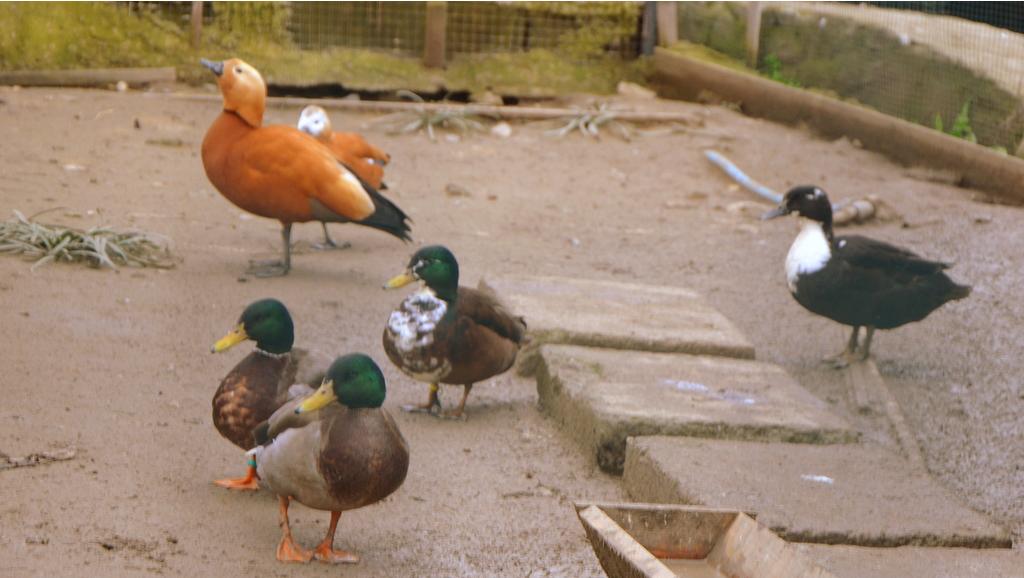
point(589, 121)
point(96, 247)
point(407, 122)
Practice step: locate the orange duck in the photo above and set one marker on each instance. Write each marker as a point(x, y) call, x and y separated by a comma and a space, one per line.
point(280, 172)
point(351, 150)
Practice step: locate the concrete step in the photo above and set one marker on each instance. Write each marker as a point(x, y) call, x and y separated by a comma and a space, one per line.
point(602, 396)
point(839, 494)
point(861, 562)
point(621, 316)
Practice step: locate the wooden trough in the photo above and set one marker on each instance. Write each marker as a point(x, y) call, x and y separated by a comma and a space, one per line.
point(674, 541)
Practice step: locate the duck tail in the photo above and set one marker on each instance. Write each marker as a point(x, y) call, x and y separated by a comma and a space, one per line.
point(387, 217)
point(960, 291)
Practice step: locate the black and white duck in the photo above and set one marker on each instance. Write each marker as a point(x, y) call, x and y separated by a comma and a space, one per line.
point(855, 280)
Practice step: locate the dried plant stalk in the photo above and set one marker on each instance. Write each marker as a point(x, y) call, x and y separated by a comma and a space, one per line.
point(96, 247)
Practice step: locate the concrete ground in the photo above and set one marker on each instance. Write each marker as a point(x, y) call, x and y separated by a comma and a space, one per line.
point(117, 364)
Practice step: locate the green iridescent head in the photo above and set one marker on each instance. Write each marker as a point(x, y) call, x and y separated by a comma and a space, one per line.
point(266, 322)
point(353, 380)
point(436, 266)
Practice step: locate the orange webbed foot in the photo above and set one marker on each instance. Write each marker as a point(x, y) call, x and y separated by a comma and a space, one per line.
point(249, 483)
point(289, 551)
point(325, 553)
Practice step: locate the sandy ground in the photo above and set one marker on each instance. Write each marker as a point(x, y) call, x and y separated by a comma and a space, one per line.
point(117, 364)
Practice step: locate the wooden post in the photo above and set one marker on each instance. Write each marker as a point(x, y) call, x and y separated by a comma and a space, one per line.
point(648, 28)
point(197, 23)
point(753, 32)
point(668, 23)
point(434, 42)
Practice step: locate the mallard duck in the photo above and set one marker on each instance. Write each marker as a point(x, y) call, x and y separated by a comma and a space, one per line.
point(449, 334)
point(261, 382)
point(855, 280)
point(280, 172)
point(335, 449)
point(351, 150)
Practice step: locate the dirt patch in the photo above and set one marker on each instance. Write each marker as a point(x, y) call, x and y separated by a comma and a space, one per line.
point(117, 364)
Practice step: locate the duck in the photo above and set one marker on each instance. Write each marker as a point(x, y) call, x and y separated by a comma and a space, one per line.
point(282, 173)
point(855, 280)
point(262, 381)
point(349, 148)
point(334, 449)
point(445, 333)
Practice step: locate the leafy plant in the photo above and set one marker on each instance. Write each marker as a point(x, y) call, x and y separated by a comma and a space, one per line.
point(961, 124)
point(773, 70)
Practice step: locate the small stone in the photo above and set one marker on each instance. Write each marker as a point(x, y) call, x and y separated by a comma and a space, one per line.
point(122, 86)
point(456, 190)
point(633, 90)
point(502, 130)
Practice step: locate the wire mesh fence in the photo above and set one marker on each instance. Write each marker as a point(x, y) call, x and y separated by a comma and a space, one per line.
point(575, 28)
point(955, 67)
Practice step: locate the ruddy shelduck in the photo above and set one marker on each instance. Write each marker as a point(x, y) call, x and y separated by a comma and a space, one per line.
point(351, 150)
point(280, 172)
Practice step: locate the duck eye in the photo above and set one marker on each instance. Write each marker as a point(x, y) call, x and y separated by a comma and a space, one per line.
point(238, 70)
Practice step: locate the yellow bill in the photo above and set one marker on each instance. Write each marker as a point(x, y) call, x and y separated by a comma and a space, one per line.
point(319, 399)
point(400, 280)
point(232, 339)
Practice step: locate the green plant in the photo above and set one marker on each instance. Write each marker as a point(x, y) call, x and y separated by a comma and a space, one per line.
point(773, 69)
point(961, 124)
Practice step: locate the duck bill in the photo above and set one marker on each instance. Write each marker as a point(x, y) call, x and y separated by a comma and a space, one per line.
point(319, 399)
point(780, 211)
point(216, 67)
point(230, 340)
point(400, 280)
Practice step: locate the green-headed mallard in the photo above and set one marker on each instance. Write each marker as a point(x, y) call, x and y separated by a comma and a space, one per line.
point(335, 449)
point(449, 334)
point(260, 383)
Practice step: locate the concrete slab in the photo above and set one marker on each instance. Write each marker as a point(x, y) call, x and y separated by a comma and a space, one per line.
point(849, 494)
point(603, 396)
point(861, 562)
point(621, 316)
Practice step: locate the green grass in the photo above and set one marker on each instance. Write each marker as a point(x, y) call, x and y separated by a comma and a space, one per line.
point(705, 54)
point(84, 34)
point(67, 35)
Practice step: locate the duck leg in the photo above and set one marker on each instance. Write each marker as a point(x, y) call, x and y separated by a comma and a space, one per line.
point(847, 355)
point(458, 412)
point(325, 552)
point(866, 348)
point(249, 482)
point(432, 401)
point(329, 243)
point(275, 268)
point(288, 550)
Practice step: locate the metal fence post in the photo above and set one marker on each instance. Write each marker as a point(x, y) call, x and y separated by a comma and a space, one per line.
point(434, 41)
point(197, 23)
point(753, 32)
point(668, 23)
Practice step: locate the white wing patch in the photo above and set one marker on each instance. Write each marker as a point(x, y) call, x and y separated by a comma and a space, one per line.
point(808, 254)
point(348, 176)
point(414, 321)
